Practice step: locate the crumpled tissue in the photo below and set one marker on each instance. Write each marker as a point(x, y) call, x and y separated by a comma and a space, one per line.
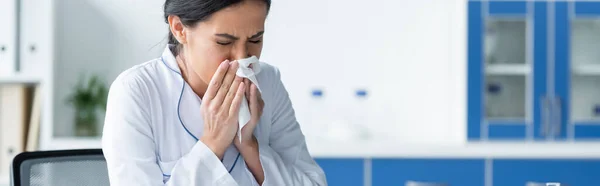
point(249, 68)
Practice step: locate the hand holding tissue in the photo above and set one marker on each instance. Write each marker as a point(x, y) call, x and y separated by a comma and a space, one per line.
point(249, 68)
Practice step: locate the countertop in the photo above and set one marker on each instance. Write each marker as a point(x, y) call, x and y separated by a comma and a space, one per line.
point(509, 149)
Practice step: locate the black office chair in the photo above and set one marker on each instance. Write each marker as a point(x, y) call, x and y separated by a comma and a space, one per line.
point(86, 167)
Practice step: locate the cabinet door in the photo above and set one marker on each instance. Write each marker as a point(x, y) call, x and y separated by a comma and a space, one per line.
point(519, 172)
point(8, 35)
point(342, 172)
point(578, 69)
point(36, 37)
point(507, 67)
point(400, 172)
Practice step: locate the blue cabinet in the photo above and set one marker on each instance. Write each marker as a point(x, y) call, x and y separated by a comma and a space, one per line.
point(342, 172)
point(578, 67)
point(523, 171)
point(507, 68)
point(465, 172)
point(533, 70)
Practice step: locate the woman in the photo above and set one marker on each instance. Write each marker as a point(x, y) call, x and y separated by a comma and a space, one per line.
point(174, 120)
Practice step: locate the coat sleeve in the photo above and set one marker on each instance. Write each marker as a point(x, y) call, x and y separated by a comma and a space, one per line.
point(130, 151)
point(286, 160)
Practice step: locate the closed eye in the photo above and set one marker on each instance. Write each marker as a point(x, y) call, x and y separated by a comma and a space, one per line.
point(256, 38)
point(223, 43)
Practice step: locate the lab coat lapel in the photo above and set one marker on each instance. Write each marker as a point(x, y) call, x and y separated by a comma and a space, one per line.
point(187, 103)
point(190, 111)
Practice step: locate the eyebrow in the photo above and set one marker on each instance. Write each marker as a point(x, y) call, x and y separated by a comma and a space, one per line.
point(257, 35)
point(229, 36)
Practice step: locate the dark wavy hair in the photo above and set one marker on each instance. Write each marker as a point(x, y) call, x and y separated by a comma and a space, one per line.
point(193, 11)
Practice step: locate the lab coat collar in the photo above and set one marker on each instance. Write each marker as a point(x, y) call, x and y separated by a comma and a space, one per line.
point(169, 59)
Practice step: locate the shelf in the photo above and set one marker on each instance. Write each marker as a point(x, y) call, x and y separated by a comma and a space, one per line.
point(505, 149)
point(19, 79)
point(62, 143)
point(506, 120)
point(387, 148)
point(586, 69)
point(508, 69)
point(590, 121)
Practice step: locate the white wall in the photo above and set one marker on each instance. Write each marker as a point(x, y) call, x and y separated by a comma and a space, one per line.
point(103, 37)
point(409, 54)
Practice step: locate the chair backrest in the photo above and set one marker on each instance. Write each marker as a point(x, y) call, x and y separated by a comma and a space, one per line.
point(86, 167)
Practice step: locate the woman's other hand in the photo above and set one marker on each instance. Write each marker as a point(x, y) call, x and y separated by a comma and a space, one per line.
point(256, 105)
point(220, 108)
point(248, 147)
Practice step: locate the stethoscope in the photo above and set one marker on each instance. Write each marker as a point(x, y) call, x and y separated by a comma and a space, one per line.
point(179, 115)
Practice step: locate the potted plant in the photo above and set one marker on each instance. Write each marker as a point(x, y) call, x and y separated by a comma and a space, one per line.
point(87, 98)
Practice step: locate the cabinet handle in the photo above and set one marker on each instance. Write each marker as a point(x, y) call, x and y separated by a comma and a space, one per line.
point(416, 183)
point(556, 116)
point(2, 48)
point(531, 183)
point(545, 116)
point(32, 48)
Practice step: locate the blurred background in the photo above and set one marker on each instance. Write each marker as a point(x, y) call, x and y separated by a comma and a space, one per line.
point(387, 92)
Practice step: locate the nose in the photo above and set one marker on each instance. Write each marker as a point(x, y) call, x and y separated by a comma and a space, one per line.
point(240, 53)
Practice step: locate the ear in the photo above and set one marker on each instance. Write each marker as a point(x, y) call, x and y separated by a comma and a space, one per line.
point(177, 28)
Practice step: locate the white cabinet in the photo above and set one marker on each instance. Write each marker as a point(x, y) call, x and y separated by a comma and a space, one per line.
point(8, 39)
point(27, 50)
point(36, 38)
point(36, 56)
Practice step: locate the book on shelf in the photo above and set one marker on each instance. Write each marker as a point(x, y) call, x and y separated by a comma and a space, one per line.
point(33, 126)
point(20, 111)
point(12, 123)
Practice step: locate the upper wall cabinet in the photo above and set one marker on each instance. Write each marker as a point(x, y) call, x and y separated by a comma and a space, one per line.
point(8, 35)
point(577, 69)
point(533, 70)
point(36, 38)
point(507, 68)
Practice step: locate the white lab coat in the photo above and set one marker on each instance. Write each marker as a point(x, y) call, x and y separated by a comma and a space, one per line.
point(145, 143)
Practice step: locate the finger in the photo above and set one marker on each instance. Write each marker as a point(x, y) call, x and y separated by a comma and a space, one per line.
point(226, 84)
point(254, 105)
point(235, 107)
point(248, 83)
point(232, 92)
point(216, 80)
point(258, 96)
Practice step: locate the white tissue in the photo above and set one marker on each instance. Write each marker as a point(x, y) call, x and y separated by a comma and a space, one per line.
point(245, 71)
